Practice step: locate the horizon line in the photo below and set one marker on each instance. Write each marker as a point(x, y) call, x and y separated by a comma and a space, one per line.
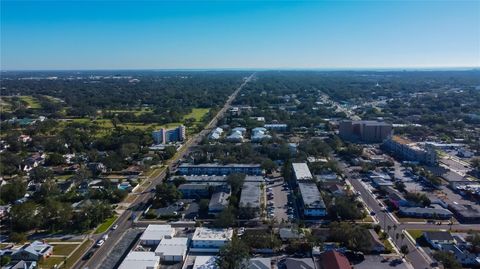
point(409, 68)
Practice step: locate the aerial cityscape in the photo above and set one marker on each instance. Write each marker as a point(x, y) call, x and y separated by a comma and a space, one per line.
point(240, 135)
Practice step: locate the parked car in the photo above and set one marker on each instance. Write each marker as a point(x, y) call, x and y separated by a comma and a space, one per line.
point(114, 227)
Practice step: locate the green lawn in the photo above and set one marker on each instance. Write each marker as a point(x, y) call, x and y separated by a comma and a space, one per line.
point(63, 249)
point(50, 262)
point(77, 254)
point(197, 114)
point(416, 234)
point(31, 102)
point(388, 246)
point(106, 225)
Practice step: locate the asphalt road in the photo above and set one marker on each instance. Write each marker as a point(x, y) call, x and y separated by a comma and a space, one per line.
point(418, 258)
point(124, 222)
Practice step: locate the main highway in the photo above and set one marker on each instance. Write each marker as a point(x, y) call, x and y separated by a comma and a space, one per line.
point(136, 208)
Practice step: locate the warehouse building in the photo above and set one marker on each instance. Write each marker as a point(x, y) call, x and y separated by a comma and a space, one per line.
point(155, 233)
point(172, 249)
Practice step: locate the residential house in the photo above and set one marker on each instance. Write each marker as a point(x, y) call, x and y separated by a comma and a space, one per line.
point(33, 252)
point(303, 263)
point(333, 259)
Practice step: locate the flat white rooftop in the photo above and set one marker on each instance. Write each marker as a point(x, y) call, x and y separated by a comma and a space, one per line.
point(157, 232)
point(176, 246)
point(205, 262)
point(301, 171)
point(213, 234)
point(140, 260)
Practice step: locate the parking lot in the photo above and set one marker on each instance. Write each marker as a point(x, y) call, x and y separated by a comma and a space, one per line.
point(279, 202)
point(411, 184)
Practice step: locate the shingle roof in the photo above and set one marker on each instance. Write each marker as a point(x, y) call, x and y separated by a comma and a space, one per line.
point(334, 260)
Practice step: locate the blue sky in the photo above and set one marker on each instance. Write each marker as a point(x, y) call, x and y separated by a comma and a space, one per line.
point(250, 34)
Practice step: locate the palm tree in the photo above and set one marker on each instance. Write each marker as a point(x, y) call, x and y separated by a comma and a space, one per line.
point(389, 228)
point(402, 235)
point(397, 235)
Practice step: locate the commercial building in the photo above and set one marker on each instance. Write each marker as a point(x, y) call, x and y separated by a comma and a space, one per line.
point(437, 238)
point(410, 151)
point(140, 260)
point(219, 169)
point(251, 194)
point(301, 172)
point(466, 213)
point(365, 131)
point(312, 203)
point(164, 136)
point(172, 249)
point(210, 239)
point(155, 233)
point(426, 212)
point(219, 200)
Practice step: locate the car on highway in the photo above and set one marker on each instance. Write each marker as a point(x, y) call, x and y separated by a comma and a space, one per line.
point(114, 227)
point(100, 243)
point(105, 237)
point(87, 256)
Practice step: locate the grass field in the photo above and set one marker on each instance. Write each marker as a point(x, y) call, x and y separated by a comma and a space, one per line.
point(63, 249)
point(106, 225)
point(31, 102)
point(416, 234)
point(77, 254)
point(388, 246)
point(50, 262)
point(197, 114)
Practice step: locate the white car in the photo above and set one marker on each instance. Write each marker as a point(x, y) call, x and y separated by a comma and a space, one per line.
point(114, 227)
point(100, 243)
